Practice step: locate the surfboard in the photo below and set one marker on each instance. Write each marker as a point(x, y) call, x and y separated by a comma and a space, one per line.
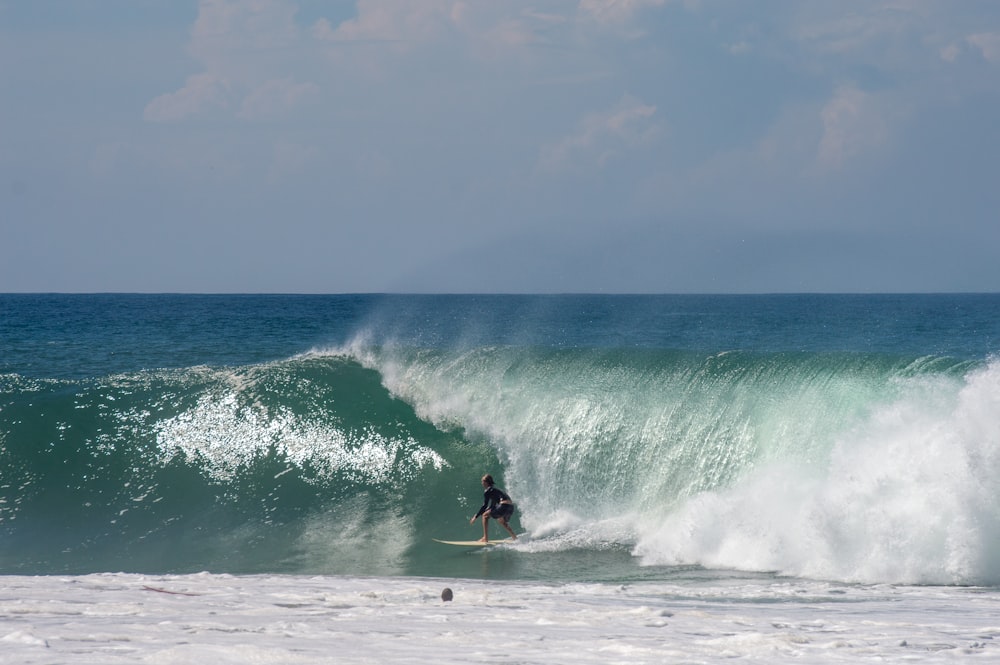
point(472, 543)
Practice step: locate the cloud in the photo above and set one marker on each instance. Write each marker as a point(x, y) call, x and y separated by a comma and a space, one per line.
point(615, 11)
point(200, 92)
point(852, 126)
point(950, 53)
point(401, 21)
point(242, 45)
point(477, 28)
point(246, 26)
point(988, 44)
point(275, 98)
point(599, 137)
point(985, 45)
point(848, 34)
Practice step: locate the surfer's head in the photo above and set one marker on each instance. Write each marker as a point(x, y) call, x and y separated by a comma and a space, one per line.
point(487, 480)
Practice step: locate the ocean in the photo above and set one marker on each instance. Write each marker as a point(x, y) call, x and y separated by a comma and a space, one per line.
point(696, 477)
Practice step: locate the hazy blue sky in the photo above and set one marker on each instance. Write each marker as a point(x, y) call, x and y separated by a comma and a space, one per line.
point(499, 146)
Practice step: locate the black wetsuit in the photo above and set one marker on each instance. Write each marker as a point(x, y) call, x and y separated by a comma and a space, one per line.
point(491, 502)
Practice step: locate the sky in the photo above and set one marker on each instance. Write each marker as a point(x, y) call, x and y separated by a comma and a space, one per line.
point(550, 146)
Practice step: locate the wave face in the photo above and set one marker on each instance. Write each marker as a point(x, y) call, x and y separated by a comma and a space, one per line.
point(843, 457)
point(847, 467)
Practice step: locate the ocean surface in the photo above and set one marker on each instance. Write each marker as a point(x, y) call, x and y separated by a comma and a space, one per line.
point(822, 470)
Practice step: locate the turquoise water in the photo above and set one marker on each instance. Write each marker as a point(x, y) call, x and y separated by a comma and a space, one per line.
point(850, 438)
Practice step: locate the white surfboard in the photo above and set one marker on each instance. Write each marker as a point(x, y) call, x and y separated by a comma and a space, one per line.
point(473, 543)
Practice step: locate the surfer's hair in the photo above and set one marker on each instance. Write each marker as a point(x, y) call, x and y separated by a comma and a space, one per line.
point(488, 479)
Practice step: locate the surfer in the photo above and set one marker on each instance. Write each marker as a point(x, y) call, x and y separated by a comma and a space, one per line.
point(496, 504)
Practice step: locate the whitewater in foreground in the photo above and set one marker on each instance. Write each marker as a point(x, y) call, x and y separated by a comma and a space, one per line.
point(128, 618)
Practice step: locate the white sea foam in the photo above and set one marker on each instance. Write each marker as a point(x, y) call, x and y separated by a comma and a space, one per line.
point(227, 435)
point(117, 618)
point(910, 495)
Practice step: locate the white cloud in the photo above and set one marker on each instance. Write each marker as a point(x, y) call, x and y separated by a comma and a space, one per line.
point(847, 34)
point(227, 26)
point(615, 11)
point(242, 45)
point(950, 53)
point(601, 136)
point(396, 21)
point(200, 92)
point(852, 126)
point(988, 44)
point(511, 33)
point(275, 98)
point(323, 30)
point(479, 27)
point(740, 48)
point(892, 36)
